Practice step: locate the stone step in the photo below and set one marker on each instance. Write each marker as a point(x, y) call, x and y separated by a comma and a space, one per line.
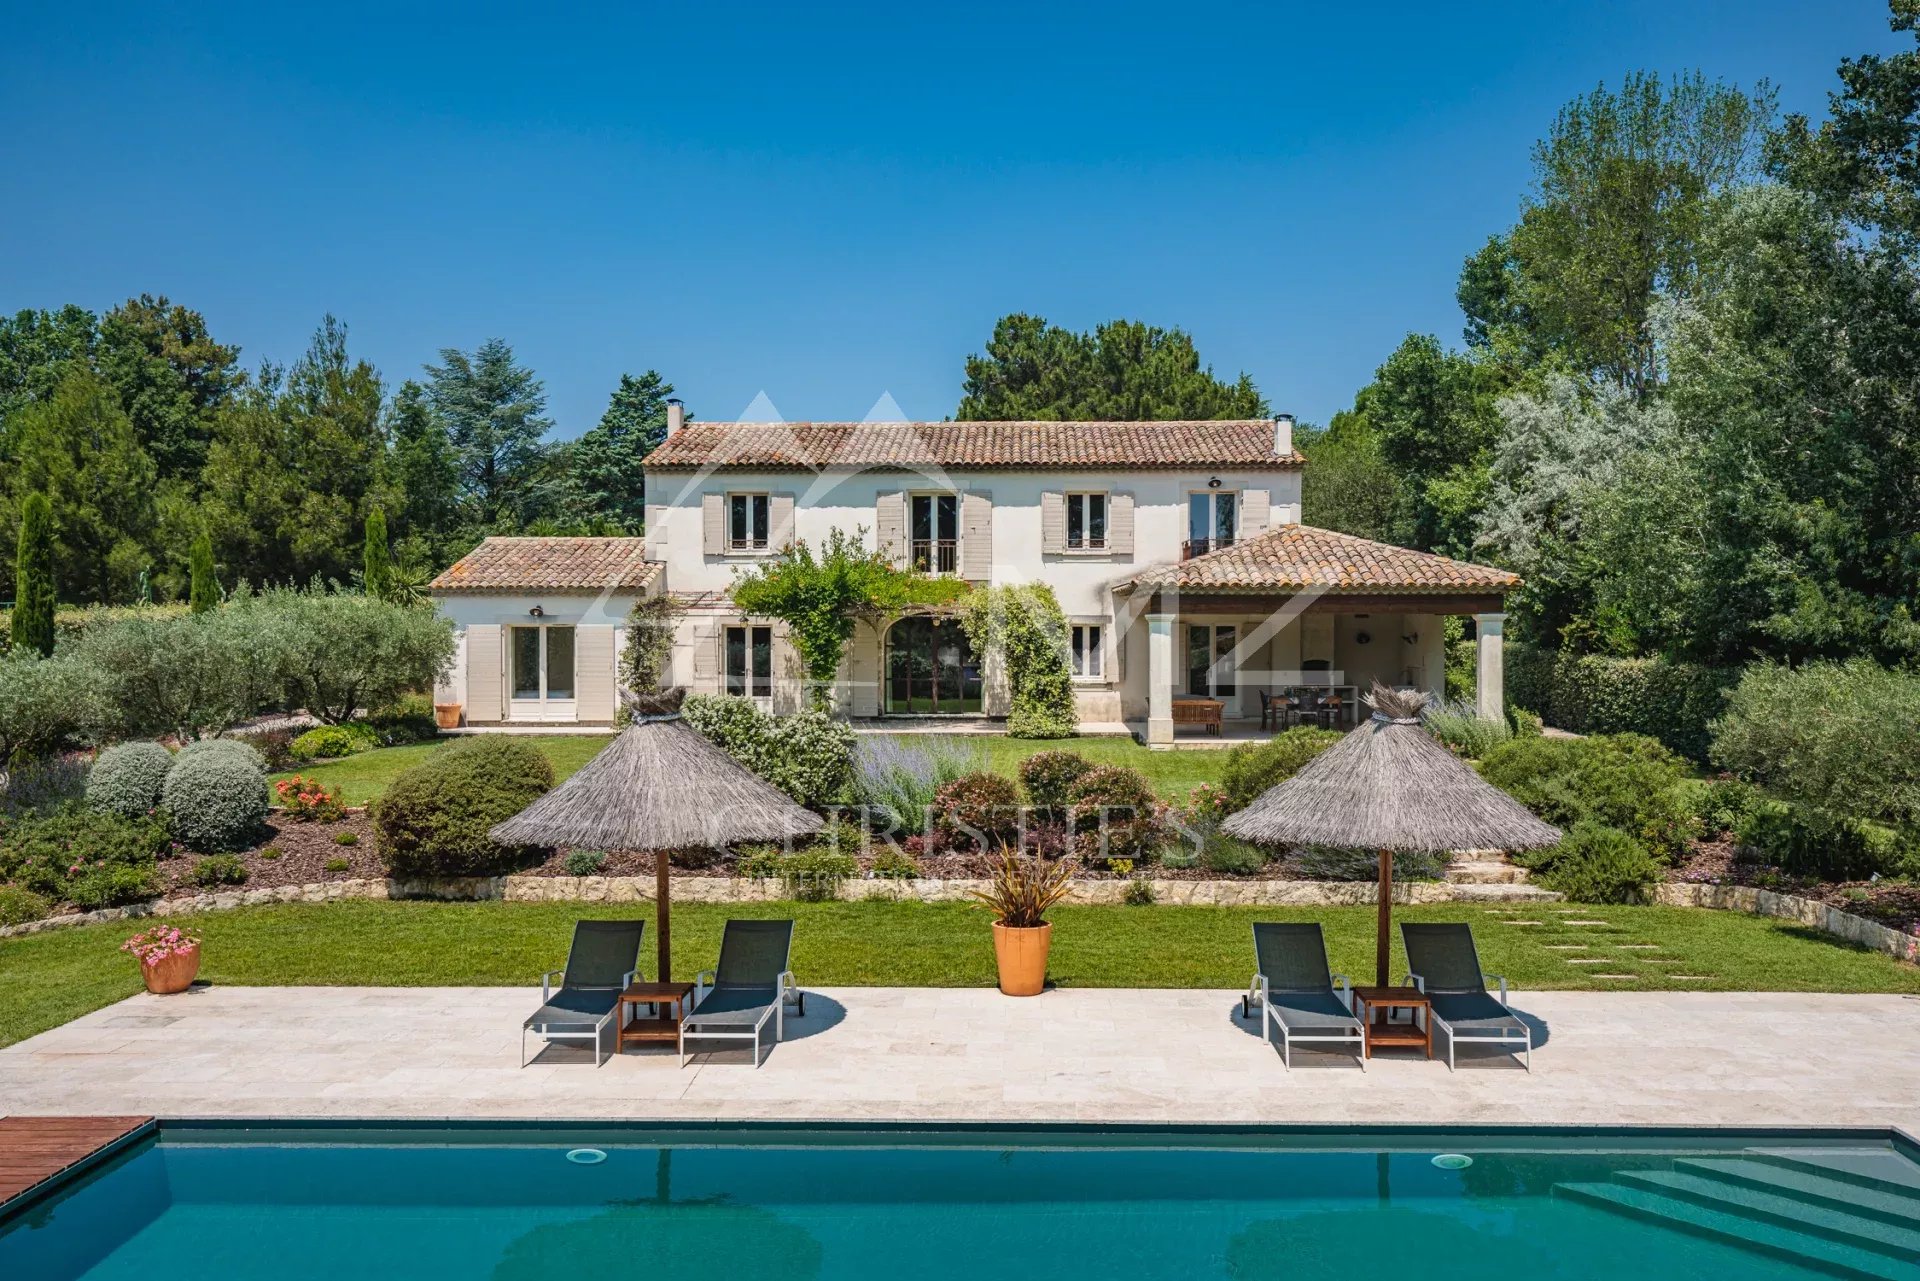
point(1484, 872)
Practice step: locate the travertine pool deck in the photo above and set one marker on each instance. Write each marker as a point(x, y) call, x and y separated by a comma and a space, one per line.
point(1750, 1059)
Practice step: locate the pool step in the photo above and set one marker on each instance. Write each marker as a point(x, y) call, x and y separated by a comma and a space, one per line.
point(1818, 1253)
point(1880, 1171)
point(1793, 1213)
point(1814, 1185)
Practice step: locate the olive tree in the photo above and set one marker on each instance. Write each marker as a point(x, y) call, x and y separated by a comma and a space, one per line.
point(341, 652)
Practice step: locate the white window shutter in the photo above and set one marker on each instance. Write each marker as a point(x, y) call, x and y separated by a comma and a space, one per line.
point(890, 527)
point(1255, 509)
point(707, 639)
point(713, 524)
point(593, 674)
point(484, 678)
point(1053, 522)
point(976, 536)
point(779, 521)
point(1120, 524)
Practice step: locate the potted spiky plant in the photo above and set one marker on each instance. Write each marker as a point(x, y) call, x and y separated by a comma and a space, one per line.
point(1022, 890)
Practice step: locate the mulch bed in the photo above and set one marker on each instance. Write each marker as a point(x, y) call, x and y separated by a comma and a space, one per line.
point(1895, 904)
point(304, 850)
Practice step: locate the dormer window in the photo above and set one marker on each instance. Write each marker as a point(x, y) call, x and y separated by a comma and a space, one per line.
point(1086, 522)
point(749, 522)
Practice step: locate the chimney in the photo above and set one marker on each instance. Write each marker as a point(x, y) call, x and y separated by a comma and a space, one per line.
point(676, 415)
point(1282, 434)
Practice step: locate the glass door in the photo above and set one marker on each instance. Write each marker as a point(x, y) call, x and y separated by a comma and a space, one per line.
point(1213, 516)
point(1210, 667)
point(932, 670)
point(540, 674)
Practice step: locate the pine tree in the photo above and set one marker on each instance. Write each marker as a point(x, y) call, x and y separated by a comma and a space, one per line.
point(377, 564)
point(607, 482)
point(33, 578)
point(204, 590)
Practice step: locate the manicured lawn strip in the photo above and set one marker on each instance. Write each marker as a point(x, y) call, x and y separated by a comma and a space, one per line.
point(60, 975)
point(363, 777)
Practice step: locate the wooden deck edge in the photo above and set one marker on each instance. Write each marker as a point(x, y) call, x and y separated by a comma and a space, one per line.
point(39, 1154)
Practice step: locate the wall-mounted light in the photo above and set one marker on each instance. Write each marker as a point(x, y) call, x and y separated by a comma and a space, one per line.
point(1411, 638)
point(537, 612)
point(1362, 638)
point(1214, 483)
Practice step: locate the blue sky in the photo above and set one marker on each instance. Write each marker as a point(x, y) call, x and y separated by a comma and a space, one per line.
point(821, 206)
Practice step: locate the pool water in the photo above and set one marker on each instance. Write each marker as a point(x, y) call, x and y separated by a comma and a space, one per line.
point(757, 1205)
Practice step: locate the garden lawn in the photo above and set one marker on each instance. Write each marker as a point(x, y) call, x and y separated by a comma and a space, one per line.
point(61, 974)
point(363, 777)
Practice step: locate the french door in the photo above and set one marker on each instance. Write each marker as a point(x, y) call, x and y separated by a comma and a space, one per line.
point(540, 674)
point(1210, 669)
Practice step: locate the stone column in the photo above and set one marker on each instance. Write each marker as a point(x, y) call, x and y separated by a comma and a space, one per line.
point(1160, 680)
point(1490, 682)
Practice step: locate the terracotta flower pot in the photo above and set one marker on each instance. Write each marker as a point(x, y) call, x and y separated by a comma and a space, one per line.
point(172, 974)
point(1022, 957)
point(446, 715)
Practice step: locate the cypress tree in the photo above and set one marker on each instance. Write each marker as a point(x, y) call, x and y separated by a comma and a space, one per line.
point(33, 578)
point(203, 591)
point(377, 566)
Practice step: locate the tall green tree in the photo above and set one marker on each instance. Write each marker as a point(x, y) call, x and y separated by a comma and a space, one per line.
point(606, 477)
point(421, 462)
point(204, 588)
point(1432, 413)
point(36, 348)
point(172, 379)
point(296, 464)
point(495, 415)
point(78, 449)
point(376, 564)
point(35, 600)
point(1621, 183)
point(1122, 370)
point(1348, 485)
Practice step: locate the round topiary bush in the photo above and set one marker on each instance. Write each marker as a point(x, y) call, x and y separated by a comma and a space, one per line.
point(1251, 768)
point(434, 819)
point(127, 779)
point(224, 749)
point(1114, 814)
point(327, 742)
point(1048, 776)
point(979, 810)
point(215, 801)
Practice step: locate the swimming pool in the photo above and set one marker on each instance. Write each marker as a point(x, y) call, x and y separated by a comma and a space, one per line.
point(767, 1203)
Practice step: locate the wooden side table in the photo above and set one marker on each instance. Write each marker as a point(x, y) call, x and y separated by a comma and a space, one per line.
point(659, 1027)
point(1370, 1001)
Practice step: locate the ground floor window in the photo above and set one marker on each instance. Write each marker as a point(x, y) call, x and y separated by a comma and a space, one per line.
point(931, 669)
point(542, 664)
point(749, 667)
point(1085, 657)
point(1210, 660)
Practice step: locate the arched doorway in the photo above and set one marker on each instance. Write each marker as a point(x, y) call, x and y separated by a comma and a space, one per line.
point(931, 669)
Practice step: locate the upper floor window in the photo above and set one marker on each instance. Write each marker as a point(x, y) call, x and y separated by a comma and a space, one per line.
point(748, 522)
point(1085, 657)
point(1213, 518)
point(933, 529)
point(1086, 522)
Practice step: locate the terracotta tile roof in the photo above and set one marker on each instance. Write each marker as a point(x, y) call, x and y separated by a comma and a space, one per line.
point(816, 446)
point(551, 565)
point(1295, 557)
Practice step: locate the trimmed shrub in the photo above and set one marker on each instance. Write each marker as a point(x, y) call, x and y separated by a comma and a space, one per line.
point(1597, 864)
point(408, 719)
point(1810, 843)
point(225, 748)
point(18, 906)
point(585, 862)
point(215, 802)
point(1622, 780)
point(1114, 815)
point(1842, 739)
point(979, 811)
point(1252, 768)
point(760, 862)
point(219, 869)
point(434, 818)
point(127, 779)
point(1324, 863)
point(808, 755)
point(815, 875)
point(893, 864)
point(100, 887)
point(1593, 694)
point(329, 742)
point(1048, 777)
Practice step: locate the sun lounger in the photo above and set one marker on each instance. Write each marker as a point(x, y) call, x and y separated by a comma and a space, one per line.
point(1296, 991)
point(1444, 964)
point(602, 961)
point(751, 984)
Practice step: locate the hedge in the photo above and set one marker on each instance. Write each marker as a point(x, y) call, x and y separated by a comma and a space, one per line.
point(1594, 694)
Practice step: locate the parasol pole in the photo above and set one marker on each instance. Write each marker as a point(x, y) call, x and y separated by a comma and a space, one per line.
point(1382, 944)
point(662, 931)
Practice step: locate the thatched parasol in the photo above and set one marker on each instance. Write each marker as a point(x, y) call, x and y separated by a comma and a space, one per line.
point(1387, 786)
point(659, 786)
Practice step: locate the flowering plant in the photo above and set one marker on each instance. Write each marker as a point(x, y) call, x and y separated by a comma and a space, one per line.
point(309, 799)
point(1207, 801)
point(157, 944)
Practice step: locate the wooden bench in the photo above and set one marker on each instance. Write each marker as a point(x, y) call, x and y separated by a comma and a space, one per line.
point(1199, 711)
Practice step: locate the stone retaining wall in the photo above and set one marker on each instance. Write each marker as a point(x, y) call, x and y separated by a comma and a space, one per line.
point(1791, 907)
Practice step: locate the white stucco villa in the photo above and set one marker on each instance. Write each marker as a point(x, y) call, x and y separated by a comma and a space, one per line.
point(1175, 548)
